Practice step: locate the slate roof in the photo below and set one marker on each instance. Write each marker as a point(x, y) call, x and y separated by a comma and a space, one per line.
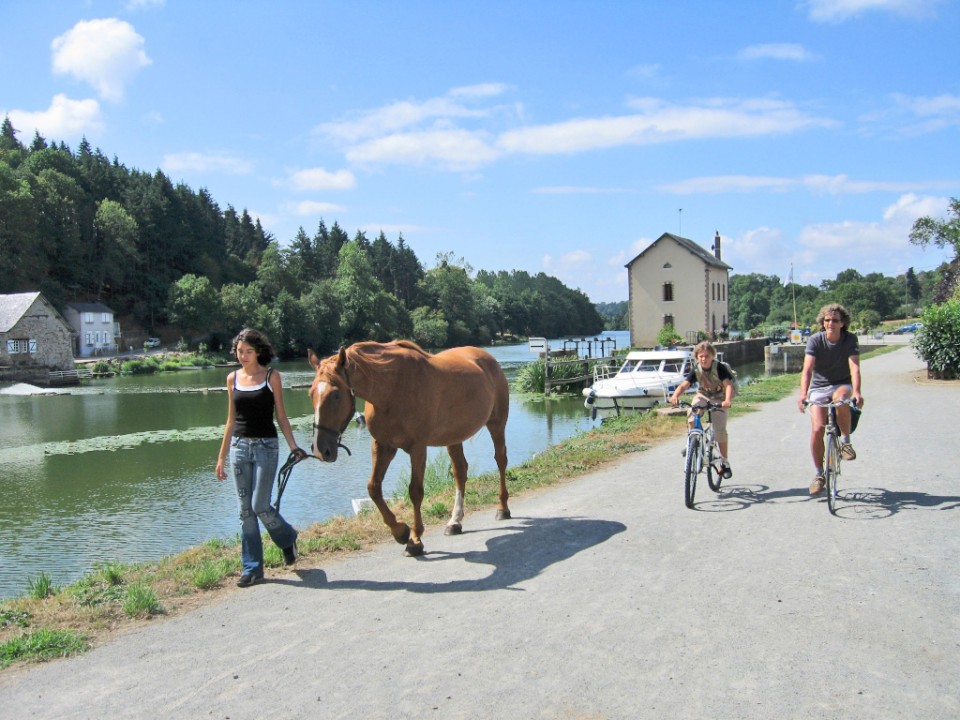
point(94, 307)
point(12, 308)
point(705, 255)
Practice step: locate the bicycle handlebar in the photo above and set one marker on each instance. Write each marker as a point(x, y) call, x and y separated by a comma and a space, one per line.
point(708, 406)
point(832, 403)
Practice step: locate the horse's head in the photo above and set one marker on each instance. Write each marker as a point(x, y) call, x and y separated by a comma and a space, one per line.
point(334, 404)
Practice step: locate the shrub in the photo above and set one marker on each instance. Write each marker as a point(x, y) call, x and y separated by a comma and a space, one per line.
point(938, 341)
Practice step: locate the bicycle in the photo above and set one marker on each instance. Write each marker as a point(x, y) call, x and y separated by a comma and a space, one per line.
point(832, 456)
point(701, 450)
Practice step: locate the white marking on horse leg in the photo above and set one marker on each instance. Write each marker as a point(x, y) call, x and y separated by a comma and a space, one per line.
point(457, 516)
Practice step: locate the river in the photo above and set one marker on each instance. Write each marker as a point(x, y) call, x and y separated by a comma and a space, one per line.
point(121, 469)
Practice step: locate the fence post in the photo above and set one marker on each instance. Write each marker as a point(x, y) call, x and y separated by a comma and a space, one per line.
point(546, 370)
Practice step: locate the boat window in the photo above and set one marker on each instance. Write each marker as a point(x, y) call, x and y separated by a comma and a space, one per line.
point(628, 366)
point(671, 367)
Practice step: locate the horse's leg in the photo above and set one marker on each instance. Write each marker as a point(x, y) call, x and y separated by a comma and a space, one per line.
point(459, 462)
point(498, 435)
point(382, 456)
point(418, 466)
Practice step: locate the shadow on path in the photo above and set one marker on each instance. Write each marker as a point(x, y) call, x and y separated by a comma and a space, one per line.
point(518, 552)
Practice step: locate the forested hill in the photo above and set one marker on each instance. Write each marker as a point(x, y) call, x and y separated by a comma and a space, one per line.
point(80, 227)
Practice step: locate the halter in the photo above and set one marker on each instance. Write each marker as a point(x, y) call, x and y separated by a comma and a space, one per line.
point(339, 433)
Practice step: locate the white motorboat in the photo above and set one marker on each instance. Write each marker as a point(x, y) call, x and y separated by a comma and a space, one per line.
point(646, 378)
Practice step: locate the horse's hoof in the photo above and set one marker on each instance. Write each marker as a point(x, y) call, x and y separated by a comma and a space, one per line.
point(503, 514)
point(413, 549)
point(404, 537)
point(453, 529)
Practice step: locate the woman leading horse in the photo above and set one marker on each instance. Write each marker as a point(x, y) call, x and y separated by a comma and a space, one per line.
point(413, 400)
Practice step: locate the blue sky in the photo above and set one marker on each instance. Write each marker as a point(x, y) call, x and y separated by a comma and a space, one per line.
point(558, 136)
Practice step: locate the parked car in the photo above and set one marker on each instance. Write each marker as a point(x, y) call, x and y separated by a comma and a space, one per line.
point(911, 328)
point(152, 343)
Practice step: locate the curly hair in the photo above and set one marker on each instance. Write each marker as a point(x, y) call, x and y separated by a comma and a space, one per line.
point(258, 341)
point(705, 345)
point(830, 310)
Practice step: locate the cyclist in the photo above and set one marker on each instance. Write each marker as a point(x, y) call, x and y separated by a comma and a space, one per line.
point(716, 386)
point(831, 372)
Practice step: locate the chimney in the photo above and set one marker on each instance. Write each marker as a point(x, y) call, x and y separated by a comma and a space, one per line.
point(716, 245)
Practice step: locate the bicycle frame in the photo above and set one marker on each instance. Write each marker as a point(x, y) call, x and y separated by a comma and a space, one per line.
point(832, 457)
point(700, 451)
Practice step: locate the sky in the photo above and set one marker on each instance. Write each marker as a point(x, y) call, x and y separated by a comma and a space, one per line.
point(546, 136)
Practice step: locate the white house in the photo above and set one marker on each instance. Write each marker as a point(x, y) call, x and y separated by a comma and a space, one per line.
point(94, 328)
point(676, 282)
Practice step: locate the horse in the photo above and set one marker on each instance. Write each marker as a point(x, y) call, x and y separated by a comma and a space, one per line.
point(413, 400)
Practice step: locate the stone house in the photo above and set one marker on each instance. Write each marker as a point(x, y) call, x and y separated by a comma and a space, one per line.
point(675, 281)
point(34, 338)
point(94, 328)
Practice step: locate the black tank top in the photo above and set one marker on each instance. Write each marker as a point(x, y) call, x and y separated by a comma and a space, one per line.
point(253, 407)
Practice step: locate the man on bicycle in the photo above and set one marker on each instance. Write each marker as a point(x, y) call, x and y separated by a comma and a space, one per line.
point(716, 386)
point(831, 372)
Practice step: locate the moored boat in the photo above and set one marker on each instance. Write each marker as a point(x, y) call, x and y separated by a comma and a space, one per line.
point(645, 379)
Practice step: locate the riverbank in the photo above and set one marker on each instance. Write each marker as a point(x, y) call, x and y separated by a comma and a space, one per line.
point(603, 597)
point(50, 622)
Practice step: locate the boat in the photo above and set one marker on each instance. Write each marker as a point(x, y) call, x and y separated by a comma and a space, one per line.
point(645, 379)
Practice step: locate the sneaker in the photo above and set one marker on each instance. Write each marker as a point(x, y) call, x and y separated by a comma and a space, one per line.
point(848, 452)
point(816, 487)
point(248, 579)
point(290, 554)
point(725, 469)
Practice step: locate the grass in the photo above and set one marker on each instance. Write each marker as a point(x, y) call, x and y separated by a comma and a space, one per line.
point(48, 622)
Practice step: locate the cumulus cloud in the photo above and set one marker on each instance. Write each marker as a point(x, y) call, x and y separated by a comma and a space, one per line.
point(836, 11)
point(206, 162)
point(106, 54)
point(320, 179)
point(64, 119)
point(458, 150)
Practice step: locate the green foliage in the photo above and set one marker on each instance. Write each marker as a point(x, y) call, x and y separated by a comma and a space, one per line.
point(141, 601)
point(41, 586)
point(938, 341)
point(668, 335)
point(43, 645)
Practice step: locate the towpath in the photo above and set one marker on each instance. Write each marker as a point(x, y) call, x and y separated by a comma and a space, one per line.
point(602, 598)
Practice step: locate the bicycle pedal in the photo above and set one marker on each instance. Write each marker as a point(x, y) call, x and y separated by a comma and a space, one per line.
point(683, 453)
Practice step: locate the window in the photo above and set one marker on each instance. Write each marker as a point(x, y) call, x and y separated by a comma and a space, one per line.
point(668, 320)
point(668, 292)
point(88, 317)
point(88, 338)
point(105, 317)
point(21, 346)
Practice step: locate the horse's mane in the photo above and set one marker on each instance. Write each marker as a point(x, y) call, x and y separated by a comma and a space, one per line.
point(382, 355)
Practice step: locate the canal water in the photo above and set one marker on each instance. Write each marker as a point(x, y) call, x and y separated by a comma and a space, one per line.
point(122, 469)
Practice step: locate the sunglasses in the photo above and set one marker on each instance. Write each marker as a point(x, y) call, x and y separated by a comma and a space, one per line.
point(832, 320)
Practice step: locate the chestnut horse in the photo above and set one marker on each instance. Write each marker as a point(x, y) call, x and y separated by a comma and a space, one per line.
point(413, 400)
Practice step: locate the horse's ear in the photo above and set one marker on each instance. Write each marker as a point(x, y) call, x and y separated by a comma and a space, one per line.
point(342, 357)
point(312, 357)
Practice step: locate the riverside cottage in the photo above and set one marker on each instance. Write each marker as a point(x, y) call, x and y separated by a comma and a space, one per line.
point(34, 339)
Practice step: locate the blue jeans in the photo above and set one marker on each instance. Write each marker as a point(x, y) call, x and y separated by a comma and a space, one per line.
point(254, 463)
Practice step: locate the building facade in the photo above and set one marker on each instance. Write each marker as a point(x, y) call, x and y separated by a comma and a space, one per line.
point(95, 330)
point(677, 282)
point(34, 337)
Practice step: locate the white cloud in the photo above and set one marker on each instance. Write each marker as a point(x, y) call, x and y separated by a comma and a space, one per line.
point(65, 119)
point(840, 10)
point(313, 207)
point(820, 184)
point(658, 121)
point(204, 162)
point(320, 179)
point(106, 53)
point(776, 51)
point(576, 190)
point(457, 150)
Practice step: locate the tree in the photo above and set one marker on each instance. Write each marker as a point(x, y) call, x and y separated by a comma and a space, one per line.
point(927, 230)
point(114, 248)
point(193, 305)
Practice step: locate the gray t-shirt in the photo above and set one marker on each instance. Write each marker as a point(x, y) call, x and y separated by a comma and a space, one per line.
point(832, 360)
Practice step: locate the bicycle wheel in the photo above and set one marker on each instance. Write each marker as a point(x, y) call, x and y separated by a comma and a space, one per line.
point(832, 471)
point(714, 476)
point(690, 469)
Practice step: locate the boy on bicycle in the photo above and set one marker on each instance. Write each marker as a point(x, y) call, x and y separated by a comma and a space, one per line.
point(716, 386)
point(831, 372)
